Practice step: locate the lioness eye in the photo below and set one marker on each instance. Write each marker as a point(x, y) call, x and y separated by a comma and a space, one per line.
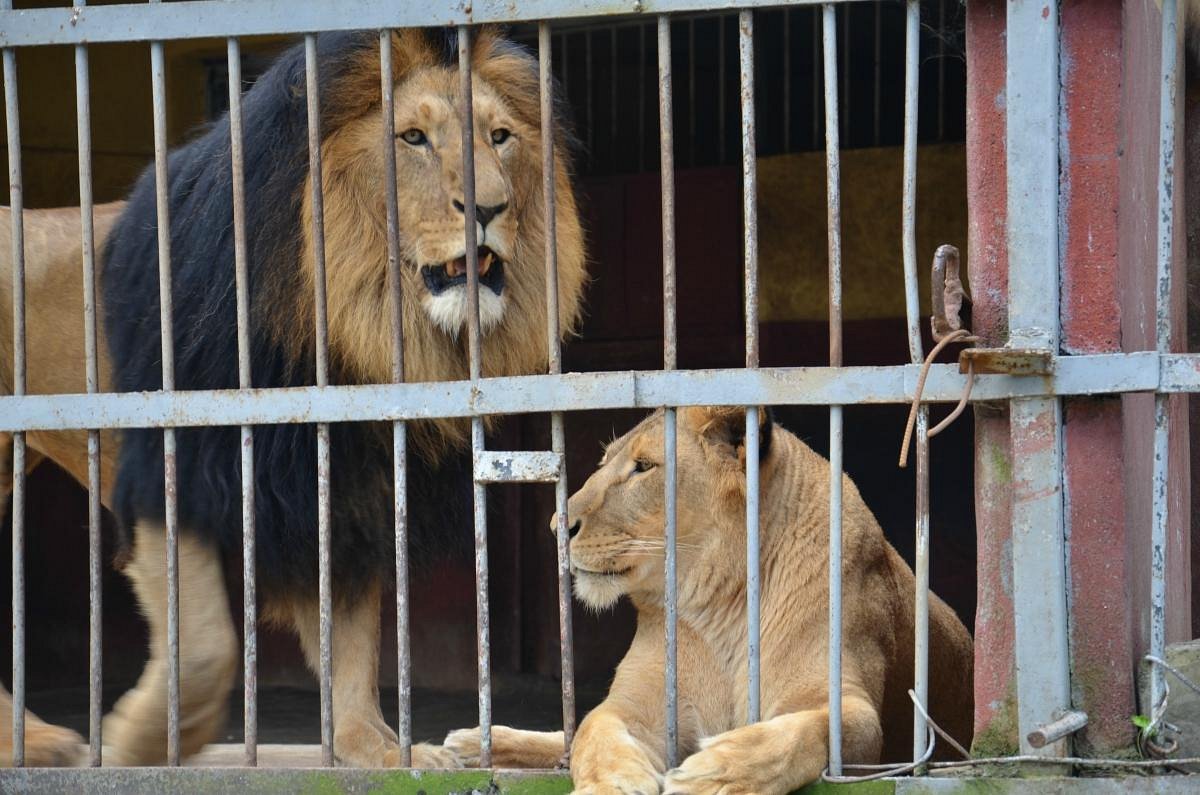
point(414, 137)
point(500, 135)
point(641, 465)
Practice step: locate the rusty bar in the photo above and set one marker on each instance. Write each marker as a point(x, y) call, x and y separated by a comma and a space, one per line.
point(87, 246)
point(1160, 510)
point(166, 313)
point(17, 205)
point(483, 620)
point(750, 276)
point(324, 580)
point(399, 429)
point(554, 366)
point(833, 201)
point(233, 57)
point(667, 168)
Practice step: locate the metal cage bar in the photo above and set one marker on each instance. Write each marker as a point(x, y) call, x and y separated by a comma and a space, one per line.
point(242, 288)
point(833, 201)
point(912, 305)
point(554, 367)
point(16, 203)
point(324, 578)
point(399, 428)
point(483, 619)
point(1160, 518)
point(666, 143)
point(83, 115)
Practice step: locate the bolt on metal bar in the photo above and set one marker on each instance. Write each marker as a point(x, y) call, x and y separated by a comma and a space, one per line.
point(1168, 104)
point(233, 57)
point(912, 305)
point(87, 246)
point(833, 200)
point(399, 428)
point(483, 619)
point(324, 579)
point(554, 366)
point(166, 313)
point(1039, 546)
point(750, 253)
point(666, 146)
point(17, 208)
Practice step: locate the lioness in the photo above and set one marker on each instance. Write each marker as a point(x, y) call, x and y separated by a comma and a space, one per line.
point(616, 522)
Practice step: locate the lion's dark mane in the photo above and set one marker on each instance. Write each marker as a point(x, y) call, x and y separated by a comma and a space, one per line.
point(202, 253)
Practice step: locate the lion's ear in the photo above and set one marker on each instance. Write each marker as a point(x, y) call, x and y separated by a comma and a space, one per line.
point(726, 425)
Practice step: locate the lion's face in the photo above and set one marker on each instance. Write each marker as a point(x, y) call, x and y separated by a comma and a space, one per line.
point(429, 163)
point(618, 518)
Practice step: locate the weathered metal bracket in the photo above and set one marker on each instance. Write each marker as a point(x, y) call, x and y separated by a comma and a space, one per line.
point(1007, 361)
point(517, 466)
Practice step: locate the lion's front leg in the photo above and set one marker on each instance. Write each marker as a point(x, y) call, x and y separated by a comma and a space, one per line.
point(612, 755)
point(361, 737)
point(136, 729)
point(777, 755)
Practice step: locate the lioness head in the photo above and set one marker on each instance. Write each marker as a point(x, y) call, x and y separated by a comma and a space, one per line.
point(428, 148)
point(618, 518)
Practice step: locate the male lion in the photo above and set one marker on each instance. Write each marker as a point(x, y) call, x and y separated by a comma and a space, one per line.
point(428, 148)
point(616, 522)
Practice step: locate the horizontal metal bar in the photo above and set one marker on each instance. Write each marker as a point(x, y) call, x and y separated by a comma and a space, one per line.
point(813, 386)
point(519, 466)
point(193, 19)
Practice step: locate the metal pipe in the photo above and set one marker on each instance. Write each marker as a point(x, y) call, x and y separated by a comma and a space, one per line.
point(16, 192)
point(554, 347)
point(87, 246)
point(912, 306)
point(324, 578)
point(833, 201)
point(750, 246)
point(483, 621)
point(1160, 510)
point(242, 284)
point(166, 313)
point(399, 429)
point(667, 168)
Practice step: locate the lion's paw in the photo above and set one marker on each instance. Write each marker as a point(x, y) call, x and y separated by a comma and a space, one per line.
point(725, 766)
point(47, 745)
point(627, 781)
point(363, 743)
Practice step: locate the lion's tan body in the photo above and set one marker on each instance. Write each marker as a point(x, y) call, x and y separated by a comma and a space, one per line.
point(431, 229)
point(618, 518)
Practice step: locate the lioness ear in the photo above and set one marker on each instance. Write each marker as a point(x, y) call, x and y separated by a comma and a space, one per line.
point(727, 425)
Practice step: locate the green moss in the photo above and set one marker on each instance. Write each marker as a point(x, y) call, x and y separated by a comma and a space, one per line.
point(1000, 463)
point(861, 788)
point(1000, 737)
point(543, 784)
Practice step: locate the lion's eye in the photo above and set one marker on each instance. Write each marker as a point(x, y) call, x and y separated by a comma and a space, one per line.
point(500, 135)
point(414, 137)
point(642, 465)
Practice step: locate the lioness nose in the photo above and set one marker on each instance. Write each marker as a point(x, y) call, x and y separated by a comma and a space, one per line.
point(483, 213)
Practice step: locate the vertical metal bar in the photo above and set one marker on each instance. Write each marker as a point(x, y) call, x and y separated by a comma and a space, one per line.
point(666, 145)
point(1168, 104)
point(877, 119)
point(399, 428)
point(324, 581)
point(554, 347)
point(750, 253)
point(691, 31)
point(1039, 555)
point(242, 281)
point(166, 313)
point(912, 306)
point(17, 207)
point(833, 200)
point(83, 119)
point(483, 623)
point(787, 80)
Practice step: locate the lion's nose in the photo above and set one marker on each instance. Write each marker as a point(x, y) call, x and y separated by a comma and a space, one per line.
point(483, 213)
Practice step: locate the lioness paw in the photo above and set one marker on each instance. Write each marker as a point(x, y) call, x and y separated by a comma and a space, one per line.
point(725, 766)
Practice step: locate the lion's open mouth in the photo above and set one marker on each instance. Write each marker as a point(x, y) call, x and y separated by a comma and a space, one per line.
point(441, 277)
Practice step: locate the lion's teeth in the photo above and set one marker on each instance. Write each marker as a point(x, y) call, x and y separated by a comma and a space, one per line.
point(453, 268)
point(485, 264)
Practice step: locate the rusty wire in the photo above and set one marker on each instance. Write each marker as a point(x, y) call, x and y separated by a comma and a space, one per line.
point(958, 335)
